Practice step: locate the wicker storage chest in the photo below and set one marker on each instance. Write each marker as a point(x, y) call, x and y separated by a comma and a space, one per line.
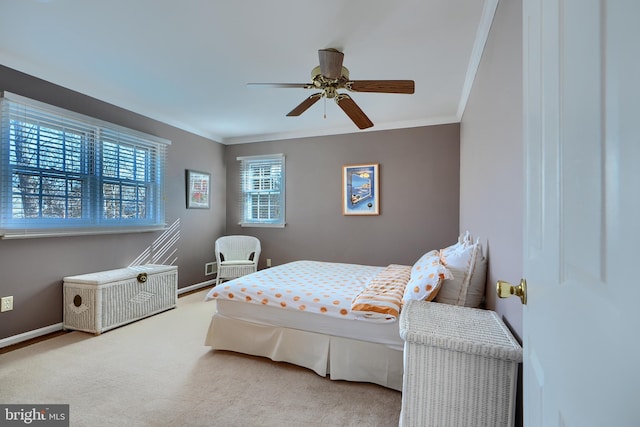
point(460, 367)
point(97, 302)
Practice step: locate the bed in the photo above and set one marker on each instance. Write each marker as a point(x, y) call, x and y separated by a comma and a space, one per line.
point(339, 320)
point(301, 313)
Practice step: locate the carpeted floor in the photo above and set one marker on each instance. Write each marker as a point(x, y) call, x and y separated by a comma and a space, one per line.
point(157, 372)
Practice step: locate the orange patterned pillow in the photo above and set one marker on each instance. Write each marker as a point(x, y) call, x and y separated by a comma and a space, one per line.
point(426, 279)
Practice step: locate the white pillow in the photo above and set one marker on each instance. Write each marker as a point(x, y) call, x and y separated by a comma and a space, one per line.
point(468, 266)
point(426, 279)
point(478, 281)
point(463, 240)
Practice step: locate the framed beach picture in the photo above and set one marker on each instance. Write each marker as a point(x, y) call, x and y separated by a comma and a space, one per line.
point(198, 187)
point(360, 189)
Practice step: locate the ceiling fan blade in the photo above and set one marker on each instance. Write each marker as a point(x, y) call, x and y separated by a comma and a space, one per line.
point(354, 112)
point(384, 86)
point(304, 105)
point(284, 85)
point(331, 63)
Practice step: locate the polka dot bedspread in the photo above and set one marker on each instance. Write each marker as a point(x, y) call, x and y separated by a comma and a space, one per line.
point(311, 286)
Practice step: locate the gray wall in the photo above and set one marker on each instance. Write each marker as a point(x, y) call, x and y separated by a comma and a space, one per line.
point(491, 160)
point(435, 182)
point(419, 196)
point(32, 269)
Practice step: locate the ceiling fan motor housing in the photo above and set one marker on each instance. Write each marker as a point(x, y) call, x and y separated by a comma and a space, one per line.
point(329, 86)
point(316, 73)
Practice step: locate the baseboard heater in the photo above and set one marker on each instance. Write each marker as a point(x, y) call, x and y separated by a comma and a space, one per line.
point(97, 302)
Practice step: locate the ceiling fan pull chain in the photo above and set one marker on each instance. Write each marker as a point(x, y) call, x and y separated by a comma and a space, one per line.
point(325, 107)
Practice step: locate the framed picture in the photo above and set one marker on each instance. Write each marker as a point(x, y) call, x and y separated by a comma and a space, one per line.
point(198, 187)
point(360, 189)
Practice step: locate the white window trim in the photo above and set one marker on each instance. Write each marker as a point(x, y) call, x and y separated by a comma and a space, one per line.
point(281, 223)
point(10, 228)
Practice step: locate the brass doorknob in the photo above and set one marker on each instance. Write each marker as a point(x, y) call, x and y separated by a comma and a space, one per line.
point(506, 289)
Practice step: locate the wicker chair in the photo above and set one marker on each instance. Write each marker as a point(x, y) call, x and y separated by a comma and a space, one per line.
point(236, 256)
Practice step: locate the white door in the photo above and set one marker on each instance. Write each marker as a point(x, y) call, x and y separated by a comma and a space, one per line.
point(582, 213)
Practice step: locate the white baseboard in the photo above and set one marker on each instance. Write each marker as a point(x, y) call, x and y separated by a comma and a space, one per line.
point(16, 339)
point(196, 286)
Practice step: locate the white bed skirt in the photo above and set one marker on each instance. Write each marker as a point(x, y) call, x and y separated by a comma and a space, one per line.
point(340, 358)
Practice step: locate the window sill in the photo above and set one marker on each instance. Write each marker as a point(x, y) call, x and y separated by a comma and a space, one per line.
point(260, 225)
point(33, 234)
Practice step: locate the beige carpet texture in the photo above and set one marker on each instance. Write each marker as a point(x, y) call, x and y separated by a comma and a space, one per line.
point(158, 372)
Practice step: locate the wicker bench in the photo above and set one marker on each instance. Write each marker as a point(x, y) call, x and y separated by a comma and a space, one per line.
point(460, 367)
point(97, 302)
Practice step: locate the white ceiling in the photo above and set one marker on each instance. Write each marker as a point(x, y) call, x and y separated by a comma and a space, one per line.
point(186, 63)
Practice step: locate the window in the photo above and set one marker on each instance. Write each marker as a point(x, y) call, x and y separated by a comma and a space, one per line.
point(262, 181)
point(64, 173)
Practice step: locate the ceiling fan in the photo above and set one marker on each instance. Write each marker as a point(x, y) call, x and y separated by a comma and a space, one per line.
point(330, 76)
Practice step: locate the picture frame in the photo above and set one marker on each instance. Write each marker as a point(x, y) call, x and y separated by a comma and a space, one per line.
point(198, 187)
point(361, 189)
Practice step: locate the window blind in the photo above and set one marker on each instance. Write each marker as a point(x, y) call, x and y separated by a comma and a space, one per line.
point(262, 190)
point(66, 173)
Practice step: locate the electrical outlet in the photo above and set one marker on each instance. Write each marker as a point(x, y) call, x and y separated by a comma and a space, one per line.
point(268, 262)
point(6, 304)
